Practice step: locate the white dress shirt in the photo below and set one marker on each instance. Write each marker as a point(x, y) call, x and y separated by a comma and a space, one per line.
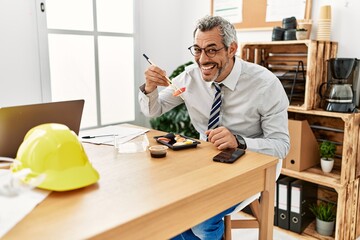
point(254, 105)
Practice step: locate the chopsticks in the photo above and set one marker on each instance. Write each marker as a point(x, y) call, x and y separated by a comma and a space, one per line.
point(167, 78)
point(151, 63)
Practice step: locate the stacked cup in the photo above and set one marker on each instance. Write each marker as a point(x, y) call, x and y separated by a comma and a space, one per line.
point(324, 23)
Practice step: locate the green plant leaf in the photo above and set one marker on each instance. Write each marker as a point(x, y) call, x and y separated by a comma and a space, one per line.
point(327, 149)
point(324, 211)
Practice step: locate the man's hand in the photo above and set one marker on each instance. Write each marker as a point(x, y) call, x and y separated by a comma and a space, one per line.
point(222, 138)
point(154, 76)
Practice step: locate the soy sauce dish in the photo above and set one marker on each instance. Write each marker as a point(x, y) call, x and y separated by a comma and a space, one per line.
point(158, 151)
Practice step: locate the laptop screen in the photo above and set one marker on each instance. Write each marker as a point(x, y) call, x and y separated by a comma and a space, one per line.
point(16, 121)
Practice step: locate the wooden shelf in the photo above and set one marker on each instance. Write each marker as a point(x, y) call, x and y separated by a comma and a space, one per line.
point(285, 55)
point(290, 42)
point(316, 175)
point(340, 128)
point(321, 112)
point(309, 233)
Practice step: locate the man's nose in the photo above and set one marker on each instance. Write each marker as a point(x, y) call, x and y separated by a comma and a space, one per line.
point(203, 56)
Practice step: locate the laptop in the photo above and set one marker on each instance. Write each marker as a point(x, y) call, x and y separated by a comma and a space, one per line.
point(16, 121)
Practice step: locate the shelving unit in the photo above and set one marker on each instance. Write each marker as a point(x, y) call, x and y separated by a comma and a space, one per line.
point(343, 129)
point(283, 56)
point(342, 185)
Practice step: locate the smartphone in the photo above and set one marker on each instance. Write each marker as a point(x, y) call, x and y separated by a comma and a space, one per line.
point(229, 155)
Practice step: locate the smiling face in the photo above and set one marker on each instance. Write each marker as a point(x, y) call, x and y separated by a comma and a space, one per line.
point(215, 68)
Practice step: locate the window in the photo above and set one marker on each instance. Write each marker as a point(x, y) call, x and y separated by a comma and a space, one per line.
point(91, 56)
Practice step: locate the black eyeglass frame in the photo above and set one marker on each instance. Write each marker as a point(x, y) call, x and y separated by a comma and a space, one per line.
point(191, 48)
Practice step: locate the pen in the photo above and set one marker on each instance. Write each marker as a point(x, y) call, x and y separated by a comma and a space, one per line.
point(168, 79)
point(88, 137)
point(6, 159)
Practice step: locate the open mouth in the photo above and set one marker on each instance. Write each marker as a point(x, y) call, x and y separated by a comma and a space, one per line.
point(206, 69)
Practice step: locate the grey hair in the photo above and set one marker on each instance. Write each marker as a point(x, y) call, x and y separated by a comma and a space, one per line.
point(227, 30)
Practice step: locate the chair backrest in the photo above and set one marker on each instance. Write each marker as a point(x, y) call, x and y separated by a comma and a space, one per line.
point(278, 168)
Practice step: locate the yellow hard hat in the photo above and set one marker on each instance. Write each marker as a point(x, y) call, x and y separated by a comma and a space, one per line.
point(54, 150)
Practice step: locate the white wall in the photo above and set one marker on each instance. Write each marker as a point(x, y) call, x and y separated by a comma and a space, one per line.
point(19, 55)
point(165, 33)
point(166, 30)
point(345, 21)
point(345, 25)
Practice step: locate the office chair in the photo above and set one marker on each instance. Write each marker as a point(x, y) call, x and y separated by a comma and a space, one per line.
point(254, 205)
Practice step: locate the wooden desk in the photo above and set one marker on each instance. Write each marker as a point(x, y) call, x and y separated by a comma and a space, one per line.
point(139, 197)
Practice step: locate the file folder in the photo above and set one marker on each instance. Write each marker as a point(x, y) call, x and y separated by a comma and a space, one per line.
point(284, 189)
point(304, 149)
point(302, 195)
point(275, 205)
point(276, 201)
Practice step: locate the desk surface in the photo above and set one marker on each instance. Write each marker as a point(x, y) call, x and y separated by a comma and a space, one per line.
point(139, 197)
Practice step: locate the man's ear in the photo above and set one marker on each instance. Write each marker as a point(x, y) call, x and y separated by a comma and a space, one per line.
point(233, 48)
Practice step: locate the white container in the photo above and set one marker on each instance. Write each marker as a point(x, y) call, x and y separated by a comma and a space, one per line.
point(137, 144)
point(301, 35)
point(327, 164)
point(324, 228)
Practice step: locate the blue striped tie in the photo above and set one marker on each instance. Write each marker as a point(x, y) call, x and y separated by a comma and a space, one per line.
point(215, 109)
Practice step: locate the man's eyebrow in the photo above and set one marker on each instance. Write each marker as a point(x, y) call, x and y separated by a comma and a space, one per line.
point(210, 45)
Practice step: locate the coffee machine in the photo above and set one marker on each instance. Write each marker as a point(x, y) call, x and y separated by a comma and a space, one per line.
point(342, 92)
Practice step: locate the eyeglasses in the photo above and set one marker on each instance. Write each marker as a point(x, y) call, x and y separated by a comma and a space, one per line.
point(209, 51)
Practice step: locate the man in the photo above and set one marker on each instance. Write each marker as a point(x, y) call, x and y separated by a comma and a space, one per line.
point(252, 102)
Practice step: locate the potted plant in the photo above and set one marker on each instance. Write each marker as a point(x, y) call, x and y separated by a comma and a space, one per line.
point(325, 217)
point(306, 24)
point(301, 33)
point(327, 153)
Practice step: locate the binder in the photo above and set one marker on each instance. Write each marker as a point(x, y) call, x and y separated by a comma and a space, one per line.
point(276, 201)
point(283, 210)
point(302, 195)
point(275, 205)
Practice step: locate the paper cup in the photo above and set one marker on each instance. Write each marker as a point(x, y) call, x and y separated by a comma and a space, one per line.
point(325, 12)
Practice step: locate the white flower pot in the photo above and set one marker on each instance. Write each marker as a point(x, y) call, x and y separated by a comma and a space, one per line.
point(301, 35)
point(327, 164)
point(324, 228)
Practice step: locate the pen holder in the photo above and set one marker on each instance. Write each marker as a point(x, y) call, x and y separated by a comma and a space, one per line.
point(137, 144)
